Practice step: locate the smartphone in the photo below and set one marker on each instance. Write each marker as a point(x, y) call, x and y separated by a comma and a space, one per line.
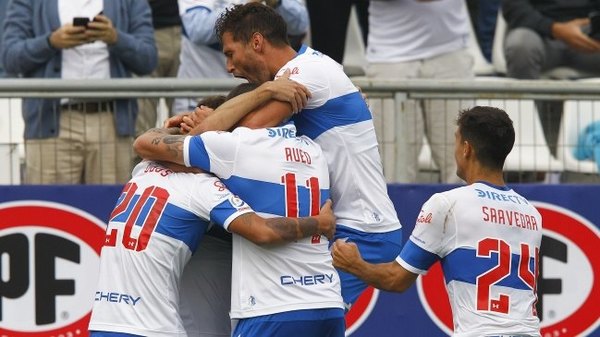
point(595, 25)
point(80, 21)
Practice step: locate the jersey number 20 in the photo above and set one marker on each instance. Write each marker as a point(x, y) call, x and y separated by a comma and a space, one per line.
point(153, 197)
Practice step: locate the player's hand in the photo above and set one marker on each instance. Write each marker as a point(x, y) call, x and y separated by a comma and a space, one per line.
point(286, 90)
point(174, 121)
point(68, 36)
point(102, 29)
point(345, 255)
point(327, 220)
point(195, 118)
point(570, 32)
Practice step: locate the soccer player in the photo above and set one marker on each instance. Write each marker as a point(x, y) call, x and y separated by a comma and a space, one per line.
point(157, 223)
point(289, 290)
point(486, 236)
point(336, 117)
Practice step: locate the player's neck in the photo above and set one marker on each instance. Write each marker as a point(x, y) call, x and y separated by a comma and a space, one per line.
point(479, 173)
point(279, 57)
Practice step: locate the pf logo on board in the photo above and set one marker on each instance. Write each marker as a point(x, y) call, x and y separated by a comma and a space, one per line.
point(49, 257)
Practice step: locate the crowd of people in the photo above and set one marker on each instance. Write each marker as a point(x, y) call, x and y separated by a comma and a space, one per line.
point(302, 133)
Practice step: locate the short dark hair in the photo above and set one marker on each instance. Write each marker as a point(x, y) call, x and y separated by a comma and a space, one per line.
point(491, 133)
point(241, 89)
point(212, 102)
point(242, 21)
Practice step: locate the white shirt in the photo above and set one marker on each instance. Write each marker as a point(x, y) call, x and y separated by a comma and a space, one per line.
point(88, 61)
point(157, 224)
point(338, 119)
point(408, 30)
point(280, 174)
point(467, 228)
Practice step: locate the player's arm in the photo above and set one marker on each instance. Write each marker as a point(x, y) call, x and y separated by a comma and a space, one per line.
point(290, 96)
point(279, 230)
point(390, 276)
point(161, 145)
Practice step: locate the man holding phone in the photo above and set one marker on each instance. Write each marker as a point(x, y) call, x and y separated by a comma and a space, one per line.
point(71, 141)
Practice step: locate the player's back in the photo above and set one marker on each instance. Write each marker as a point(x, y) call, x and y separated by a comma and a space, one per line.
point(277, 174)
point(338, 119)
point(152, 232)
point(489, 257)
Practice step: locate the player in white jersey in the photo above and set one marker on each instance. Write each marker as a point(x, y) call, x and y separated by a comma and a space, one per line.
point(336, 117)
point(486, 236)
point(201, 55)
point(289, 290)
point(157, 223)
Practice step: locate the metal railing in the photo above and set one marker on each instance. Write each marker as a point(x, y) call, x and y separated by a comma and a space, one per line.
point(387, 100)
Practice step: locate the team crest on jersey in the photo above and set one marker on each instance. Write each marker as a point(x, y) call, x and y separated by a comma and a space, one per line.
point(569, 253)
point(237, 202)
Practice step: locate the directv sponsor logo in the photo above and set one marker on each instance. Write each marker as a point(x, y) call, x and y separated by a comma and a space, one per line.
point(306, 280)
point(501, 197)
point(116, 298)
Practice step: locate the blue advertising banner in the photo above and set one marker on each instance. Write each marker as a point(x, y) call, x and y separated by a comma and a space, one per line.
point(50, 239)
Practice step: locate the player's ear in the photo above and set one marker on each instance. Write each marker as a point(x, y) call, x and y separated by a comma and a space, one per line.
point(257, 41)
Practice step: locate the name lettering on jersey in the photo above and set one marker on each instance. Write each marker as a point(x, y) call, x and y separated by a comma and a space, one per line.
point(509, 218)
point(306, 280)
point(501, 197)
point(116, 298)
point(424, 218)
point(158, 169)
point(281, 132)
point(296, 155)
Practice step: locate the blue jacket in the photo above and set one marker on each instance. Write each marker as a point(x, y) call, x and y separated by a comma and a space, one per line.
point(588, 144)
point(26, 51)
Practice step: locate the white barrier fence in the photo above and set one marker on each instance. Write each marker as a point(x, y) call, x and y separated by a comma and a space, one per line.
point(532, 153)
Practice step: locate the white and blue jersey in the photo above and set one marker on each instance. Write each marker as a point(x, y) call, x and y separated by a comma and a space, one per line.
point(487, 239)
point(338, 119)
point(156, 225)
point(280, 175)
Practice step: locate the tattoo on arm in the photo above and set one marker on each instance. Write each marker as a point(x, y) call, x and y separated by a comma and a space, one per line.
point(171, 139)
point(290, 229)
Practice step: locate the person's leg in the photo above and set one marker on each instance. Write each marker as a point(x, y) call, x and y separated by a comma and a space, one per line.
point(440, 115)
point(328, 26)
point(108, 156)
point(57, 160)
point(408, 139)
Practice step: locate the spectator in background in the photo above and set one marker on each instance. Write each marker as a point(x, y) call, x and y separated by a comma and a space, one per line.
point(547, 34)
point(329, 24)
point(201, 55)
point(71, 141)
point(422, 39)
point(588, 144)
point(3, 5)
point(483, 17)
point(167, 35)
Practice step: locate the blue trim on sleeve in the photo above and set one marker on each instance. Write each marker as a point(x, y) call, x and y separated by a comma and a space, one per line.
point(182, 225)
point(197, 154)
point(340, 111)
point(417, 257)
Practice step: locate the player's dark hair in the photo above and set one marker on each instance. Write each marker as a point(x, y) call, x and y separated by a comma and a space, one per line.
point(242, 21)
point(490, 131)
point(241, 89)
point(212, 102)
